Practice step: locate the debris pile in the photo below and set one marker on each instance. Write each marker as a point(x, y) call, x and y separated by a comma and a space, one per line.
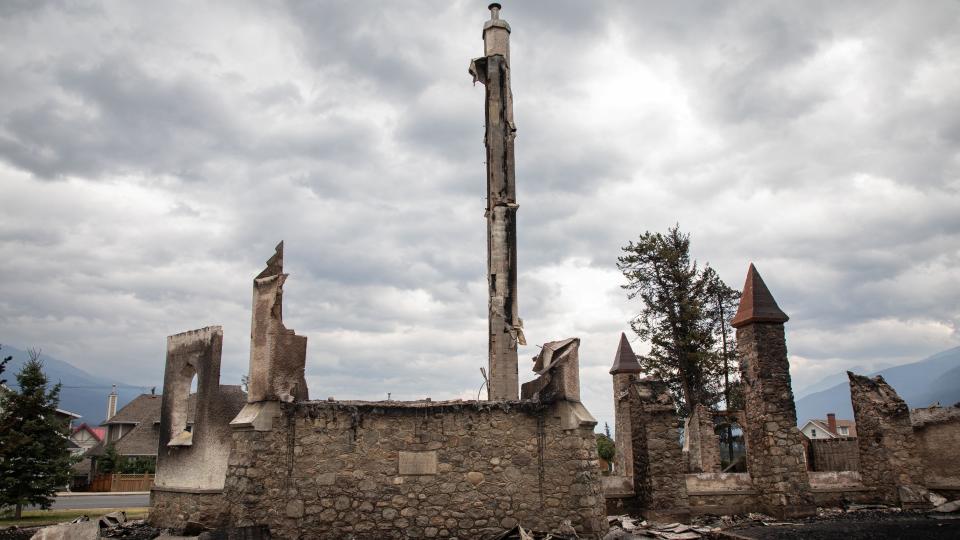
point(519, 533)
point(626, 527)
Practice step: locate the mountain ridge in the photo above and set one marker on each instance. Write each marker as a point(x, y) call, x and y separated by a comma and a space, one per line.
point(920, 384)
point(81, 392)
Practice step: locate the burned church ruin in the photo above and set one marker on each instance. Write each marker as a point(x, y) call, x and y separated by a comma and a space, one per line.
point(272, 457)
point(897, 459)
point(385, 469)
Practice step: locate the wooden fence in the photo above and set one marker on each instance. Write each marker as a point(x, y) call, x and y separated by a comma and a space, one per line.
point(833, 454)
point(122, 482)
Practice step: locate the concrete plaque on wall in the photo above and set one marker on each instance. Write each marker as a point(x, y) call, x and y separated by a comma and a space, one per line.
point(418, 462)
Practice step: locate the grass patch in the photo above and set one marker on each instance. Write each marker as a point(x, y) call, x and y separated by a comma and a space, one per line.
point(36, 518)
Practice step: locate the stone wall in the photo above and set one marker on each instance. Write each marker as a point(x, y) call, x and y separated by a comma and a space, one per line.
point(833, 454)
point(658, 467)
point(889, 457)
point(623, 459)
point(937, 430)
point(775, 456)
point(701, 442)
point(720, 493)
point(176, 507)
point(415, 470)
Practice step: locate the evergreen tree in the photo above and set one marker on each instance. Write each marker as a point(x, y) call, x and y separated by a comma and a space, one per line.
point(109, 462)
point(3, 367)
point(34, 459)
point(681, 316)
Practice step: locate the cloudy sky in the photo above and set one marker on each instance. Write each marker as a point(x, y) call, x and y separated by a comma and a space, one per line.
point(153, 153)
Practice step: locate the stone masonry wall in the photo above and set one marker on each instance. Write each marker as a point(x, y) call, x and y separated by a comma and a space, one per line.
point(702, 442)
point(414, 470)
point(658, 467)
point(174, 508)
point(623, 459)
point(775, 457)
point(889, 458)
point(936, 429)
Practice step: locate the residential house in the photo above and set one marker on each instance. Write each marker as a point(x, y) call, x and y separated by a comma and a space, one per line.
point(831, 428)
point(83, 438)
point(134, 430)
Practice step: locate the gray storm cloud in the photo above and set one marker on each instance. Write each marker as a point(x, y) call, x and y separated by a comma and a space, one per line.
point(152, 155)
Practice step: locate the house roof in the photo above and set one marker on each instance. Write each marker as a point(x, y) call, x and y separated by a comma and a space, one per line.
point(97, 432)
point(68, 413)
point(143, 408)
point(756, 303)
point(823, 425)
point(144, 412)
point(625, 361)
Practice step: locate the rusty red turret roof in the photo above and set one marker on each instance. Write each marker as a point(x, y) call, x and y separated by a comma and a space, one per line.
point(625, 361)
point(756, 303)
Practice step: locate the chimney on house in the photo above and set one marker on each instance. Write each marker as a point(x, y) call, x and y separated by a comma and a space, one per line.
point(112, 403)
point(832, 422)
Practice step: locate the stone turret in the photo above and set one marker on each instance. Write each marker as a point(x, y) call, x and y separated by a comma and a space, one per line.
point(776, 458)
point(505, 326)
point(624, 371)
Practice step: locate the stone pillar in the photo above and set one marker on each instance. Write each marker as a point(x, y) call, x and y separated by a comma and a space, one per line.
point(624, 371)
point(889, 457)
point(505, 326)
point(659, 476)
point(703, 445)
point(775, 459)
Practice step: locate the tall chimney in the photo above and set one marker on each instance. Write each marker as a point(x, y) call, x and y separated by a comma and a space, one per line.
point(504, 325)
point(832, 423)
point(112, 403)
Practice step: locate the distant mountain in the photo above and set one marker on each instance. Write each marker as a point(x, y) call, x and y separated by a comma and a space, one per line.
point(920, 384)
point(82, 393)
point(826, 382)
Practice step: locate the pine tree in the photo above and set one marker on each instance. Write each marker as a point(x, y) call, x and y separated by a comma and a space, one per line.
point(3, 367)
point(34, 459)
point(680, 317)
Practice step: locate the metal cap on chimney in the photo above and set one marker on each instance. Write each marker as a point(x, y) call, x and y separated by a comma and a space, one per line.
point(496, 34)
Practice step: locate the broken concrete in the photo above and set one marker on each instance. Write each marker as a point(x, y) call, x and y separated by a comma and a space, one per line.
point(776, 458)
point(558, 367)
point(889, 457)
point(277, 354)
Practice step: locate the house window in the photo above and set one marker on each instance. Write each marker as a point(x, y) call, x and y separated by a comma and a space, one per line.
point(844, 431)
point(813, 433)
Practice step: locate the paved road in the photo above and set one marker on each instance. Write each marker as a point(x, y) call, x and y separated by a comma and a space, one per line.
point(107, 500)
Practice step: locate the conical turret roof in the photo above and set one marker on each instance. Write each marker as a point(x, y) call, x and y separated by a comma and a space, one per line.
point(756, 303)
point(625, 361)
